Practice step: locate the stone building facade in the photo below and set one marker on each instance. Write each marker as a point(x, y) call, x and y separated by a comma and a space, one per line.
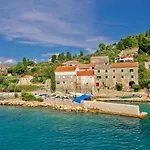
point(3, 69)
point(123, 73)
point(100, 60)
point(25, 80)
point(66, 78)
point(85, 81)
point(147, 65)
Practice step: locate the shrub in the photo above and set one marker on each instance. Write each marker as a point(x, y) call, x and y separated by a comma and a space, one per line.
point(30, 97)
point(119, 87)
point(16, 95)
point(136, 88)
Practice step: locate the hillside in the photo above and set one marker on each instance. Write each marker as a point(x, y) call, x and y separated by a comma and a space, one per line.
point(44, 70)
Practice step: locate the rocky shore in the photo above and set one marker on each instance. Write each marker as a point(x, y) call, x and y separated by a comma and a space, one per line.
point(67, 105)
point(54, 105)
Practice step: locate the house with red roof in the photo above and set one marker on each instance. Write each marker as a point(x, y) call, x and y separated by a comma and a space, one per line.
point(85, 81)
point(125, 73)
point(25, 80)
point(65, 78)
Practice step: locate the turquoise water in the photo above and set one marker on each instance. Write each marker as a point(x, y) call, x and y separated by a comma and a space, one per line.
point(44, 129)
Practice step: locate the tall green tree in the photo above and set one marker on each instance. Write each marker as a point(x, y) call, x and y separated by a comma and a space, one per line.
point(53, 58)
point(24, 62)
point(81, 53)
point(144, 45)
point(68, 56)
point(20, 69)
point(102, 46)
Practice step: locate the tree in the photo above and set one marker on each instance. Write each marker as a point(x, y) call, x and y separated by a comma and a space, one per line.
point(102, 46)
point(53, 81)
point(30, 62)
point(120, 46)
point(144, 45)
point(24, 62)
point(53, 58)
point(68, 56)
point(81, 53)
point(148, 33)
point(20, 69)
point(61, 57)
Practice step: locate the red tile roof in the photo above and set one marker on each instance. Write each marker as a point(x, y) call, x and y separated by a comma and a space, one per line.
point(85, 73)
point(124, 65)
point(4, 67)
point(65, 68)
point(26, 76)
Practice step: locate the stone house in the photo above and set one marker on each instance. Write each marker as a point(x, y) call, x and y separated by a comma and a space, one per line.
point(3, 69)
point(65, 78)
point(85, 81)
point(100, 60)
point(25, 80)
point(124, 59)
point(109, 75)
point(147, 65)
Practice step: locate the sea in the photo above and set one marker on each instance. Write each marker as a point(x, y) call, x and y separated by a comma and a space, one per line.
point(46, 129)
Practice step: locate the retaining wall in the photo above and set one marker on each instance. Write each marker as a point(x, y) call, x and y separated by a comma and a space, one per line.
point(113, 108)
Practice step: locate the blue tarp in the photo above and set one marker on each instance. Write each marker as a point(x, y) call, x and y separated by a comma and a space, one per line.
point(81, 98)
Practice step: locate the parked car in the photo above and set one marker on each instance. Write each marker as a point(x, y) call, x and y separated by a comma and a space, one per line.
point(44, 95)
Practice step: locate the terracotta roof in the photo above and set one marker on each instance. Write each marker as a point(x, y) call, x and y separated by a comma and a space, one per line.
point(124, 65)
point(85, 73)
point(4, 67)
point(71, 62)
point(26, 76)
point(65, 68)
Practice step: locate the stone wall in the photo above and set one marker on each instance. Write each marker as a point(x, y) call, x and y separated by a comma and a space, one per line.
point(109, 78)
point(113, 108)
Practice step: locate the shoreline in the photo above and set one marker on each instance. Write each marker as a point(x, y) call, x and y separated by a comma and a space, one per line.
point(66, 105)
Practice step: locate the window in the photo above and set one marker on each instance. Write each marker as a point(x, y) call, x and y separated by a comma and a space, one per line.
point(98, 77)
point(131, 70)
point(92, 67)
point(114, 77)
point(106, 77)
point(132, 76)
point(70, 76)
point(63, 82)
point(113, 70)
point(122, 70)
point(122, 76)
point(106, 70)
point(98, 71)
point(63, 76)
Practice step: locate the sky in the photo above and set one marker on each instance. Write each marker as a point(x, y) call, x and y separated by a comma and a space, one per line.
point(37, 29)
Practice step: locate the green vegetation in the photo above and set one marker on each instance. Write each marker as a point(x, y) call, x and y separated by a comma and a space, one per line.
point(28, 88)
point(119, 87)
point(30, 97)
point(136, 88)
point(8, 84)
point(44, 70)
